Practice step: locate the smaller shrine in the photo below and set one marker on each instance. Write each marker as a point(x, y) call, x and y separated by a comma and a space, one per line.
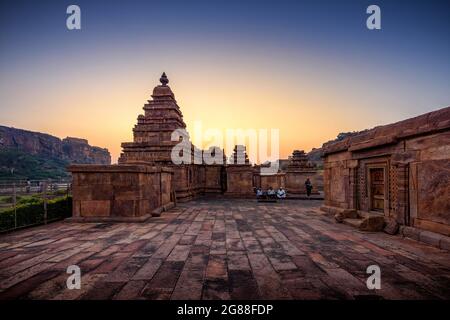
point(239, 174)
point(298, 170)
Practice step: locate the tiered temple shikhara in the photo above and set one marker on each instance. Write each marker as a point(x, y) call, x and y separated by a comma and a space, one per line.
point(396, 173)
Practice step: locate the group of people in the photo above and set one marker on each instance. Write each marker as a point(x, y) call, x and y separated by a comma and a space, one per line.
point(280, 193)
point(270, 193)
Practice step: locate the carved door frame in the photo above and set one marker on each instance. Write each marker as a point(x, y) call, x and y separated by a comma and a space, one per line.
point(385, 167)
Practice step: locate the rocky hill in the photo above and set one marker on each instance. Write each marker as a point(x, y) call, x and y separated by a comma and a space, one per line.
point(27, 154)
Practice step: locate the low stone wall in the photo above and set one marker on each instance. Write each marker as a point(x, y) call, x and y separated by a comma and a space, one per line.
point(239, 181)
point(120, 192)
point(265, 181)
point(295, 181)
point(428, 237)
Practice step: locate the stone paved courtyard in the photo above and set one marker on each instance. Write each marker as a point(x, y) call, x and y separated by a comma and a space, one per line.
point(218, 249)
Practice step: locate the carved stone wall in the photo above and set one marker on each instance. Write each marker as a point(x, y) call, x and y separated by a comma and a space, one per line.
point(415, 157)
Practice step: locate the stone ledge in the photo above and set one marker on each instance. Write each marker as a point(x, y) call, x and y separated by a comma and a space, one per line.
point(109, 219)
point(157, 212)
point(434, 239)
point(117, 168)
point(316, 196)
point(346, 213)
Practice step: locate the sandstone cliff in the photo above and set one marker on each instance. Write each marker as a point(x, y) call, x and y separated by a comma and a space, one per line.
point(71, 150)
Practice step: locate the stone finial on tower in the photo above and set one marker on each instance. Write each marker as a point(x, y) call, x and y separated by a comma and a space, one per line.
point(164, 80)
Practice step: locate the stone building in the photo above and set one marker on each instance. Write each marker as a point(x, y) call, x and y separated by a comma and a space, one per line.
point(120, 192)
point(298, 170)
point(397, 173)
point(152, 141)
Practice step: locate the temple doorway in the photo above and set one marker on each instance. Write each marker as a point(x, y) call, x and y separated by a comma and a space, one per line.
point(377, 189)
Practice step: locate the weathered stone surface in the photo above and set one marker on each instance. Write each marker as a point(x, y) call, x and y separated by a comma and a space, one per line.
point(372, 223)
point(298, 170)
point(74, 150)
point(228, 250)
point(119, 192)
point(430, 238)
point(410, 232)
point(391, 227)
point(401, 170)
point(445, 243)
point(339, 217)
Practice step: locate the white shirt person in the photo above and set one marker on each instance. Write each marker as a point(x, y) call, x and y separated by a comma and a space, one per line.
point(281, 193)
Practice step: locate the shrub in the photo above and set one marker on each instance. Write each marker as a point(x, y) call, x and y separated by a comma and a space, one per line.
point(33, 213)
point(24, 200)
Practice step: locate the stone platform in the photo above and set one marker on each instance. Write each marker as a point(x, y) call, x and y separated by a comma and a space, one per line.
point(219, 249)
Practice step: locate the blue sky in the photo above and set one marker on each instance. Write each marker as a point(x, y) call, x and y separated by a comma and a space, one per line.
point(317, 57)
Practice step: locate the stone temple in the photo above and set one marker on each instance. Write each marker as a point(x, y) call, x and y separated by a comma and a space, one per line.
point(221, 243)
point(146, 181)
point(385, 178)
point(397, 174)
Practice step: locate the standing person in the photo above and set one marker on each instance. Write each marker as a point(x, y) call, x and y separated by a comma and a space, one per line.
point(308, 186)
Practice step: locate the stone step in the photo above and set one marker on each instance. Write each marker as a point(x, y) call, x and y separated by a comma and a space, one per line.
point(365, 214)
point(372, 222)
point(353, 222)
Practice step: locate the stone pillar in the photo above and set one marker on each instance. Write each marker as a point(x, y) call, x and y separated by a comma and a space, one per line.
point(352, 192)
point(402, 173)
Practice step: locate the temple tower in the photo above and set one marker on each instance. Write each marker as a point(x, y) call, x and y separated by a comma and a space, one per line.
point(298, 170)
point(152, 133)
point(152, 142)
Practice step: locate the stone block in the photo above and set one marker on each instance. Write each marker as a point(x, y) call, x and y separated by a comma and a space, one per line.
point(124, 208)
point(95, 208)
point(430, 238)
point(76, 208)
point(339, 217)
point(410, 232)
point(391, 227)
point(119, 192)
point(372, 223)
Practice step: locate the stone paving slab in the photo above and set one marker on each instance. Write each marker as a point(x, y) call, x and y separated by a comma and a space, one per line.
point(220, 249)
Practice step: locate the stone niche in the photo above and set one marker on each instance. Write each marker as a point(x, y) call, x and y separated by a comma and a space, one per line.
point(128, 193)
point(298, 170)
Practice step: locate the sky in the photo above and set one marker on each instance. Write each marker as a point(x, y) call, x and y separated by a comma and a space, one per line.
point(311, 69)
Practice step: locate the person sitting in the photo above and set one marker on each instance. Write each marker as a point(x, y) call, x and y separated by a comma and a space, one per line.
point(259, 193)
point(271, 193)
point(281, 193)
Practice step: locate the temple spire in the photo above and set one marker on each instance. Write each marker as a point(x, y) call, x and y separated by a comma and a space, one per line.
point(164, 80)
